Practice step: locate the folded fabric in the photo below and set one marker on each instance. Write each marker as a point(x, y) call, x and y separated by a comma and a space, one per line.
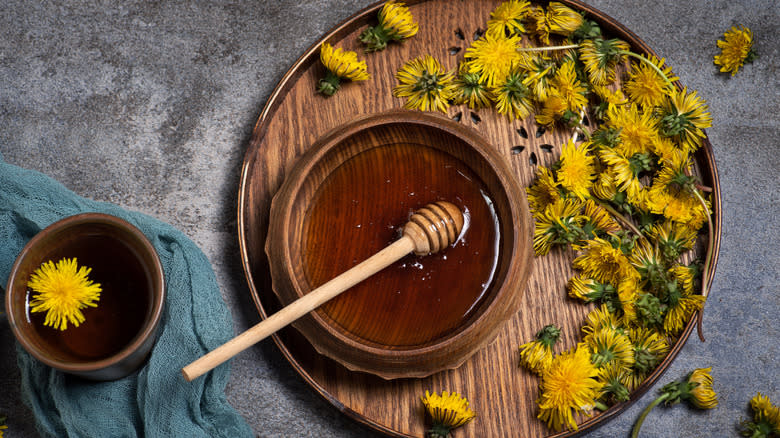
point(154, 401)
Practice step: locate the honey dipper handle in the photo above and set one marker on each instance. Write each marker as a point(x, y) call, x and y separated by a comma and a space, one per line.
point(300, 307)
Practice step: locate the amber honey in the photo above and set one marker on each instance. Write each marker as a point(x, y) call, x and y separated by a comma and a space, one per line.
point(121, 311)
point(361, 208)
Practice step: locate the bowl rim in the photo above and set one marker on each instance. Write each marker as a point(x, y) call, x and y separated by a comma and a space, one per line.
point(150, 325)
point(514, 280)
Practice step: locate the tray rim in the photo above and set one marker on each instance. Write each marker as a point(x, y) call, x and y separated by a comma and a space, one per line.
point(704, 155)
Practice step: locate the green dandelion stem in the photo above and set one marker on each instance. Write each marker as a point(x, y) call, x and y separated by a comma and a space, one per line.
point(619, 216)
point(641, 419)
point(647, 61)
point(707, 263)
point(547, 48)
point(600, 406)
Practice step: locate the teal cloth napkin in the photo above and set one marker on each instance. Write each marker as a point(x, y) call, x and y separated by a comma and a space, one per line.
point(154, 401)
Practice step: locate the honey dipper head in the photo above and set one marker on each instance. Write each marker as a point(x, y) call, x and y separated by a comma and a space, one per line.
point(434, 227)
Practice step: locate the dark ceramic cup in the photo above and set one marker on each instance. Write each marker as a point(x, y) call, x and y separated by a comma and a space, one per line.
point(117, 335)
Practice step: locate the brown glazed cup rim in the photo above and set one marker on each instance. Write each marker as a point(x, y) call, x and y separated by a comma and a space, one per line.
point(150, 325)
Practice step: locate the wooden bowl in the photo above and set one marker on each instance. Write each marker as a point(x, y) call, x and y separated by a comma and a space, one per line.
point(348, 197)
point(117, 335)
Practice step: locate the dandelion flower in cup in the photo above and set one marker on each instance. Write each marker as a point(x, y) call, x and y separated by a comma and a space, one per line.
point(537, 355)
point(62, 290)
point(568, 386)
point(736, 49)
point(448, 411)
point(340, 64)
point(766, 419)
point(696, 388)
point(395, 24)
point(493, 58)
point(425, 84)
point(507, 18)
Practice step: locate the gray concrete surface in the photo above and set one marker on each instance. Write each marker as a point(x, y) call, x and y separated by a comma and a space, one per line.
point(150, 105)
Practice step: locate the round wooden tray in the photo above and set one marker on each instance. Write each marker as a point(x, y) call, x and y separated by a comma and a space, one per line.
point(295, 116)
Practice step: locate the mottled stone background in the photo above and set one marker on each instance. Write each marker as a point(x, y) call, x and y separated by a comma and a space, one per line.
point(150, 105)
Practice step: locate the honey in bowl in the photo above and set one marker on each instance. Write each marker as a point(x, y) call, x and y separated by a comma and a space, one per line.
point(120, 313)
point(362, 206)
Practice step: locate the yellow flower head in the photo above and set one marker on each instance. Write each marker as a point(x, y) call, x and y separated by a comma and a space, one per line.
point(703, 396)
point(395, 24)
point(340, 64)
point(645, 86)
point(537, 355)
point(621, 170)
point(556, 19)
point(577, 171)
point(736, 48)
point(683, 116)
point(471, 91)
point(673, 238)
point(553, 108)
point(601, 57)
point(672, 193)
point(613, 377)
point(569, 87)
point(493, 57)
point(507, 18)
point(569, 385)
point(680, 312)
point(608, 346)
point(598, 319)
point(637, 129)
point(650, 347)
point(425, 84)
point(599, 218)
point(513, 98)
point(557, 224)
point(540, 69)
point(544, 191)
point(766, 418)
point(447, 412)
point(603, 262)
point(62, 290)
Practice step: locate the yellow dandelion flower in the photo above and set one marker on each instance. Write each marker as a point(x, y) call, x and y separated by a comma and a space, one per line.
point(766, 419)
point(544, 191)
point(645, 86)
point(622, 171)
point(447, 411)
point(601, 57)
point(586, 289)
point(493, 57)
point(609, 99)
point(673, 238)
point(540, 70)
point(647, 261)
point(569, 87)
point(395, 24)
point(568, 386)
point(537, 355)
point(665, 148)
point(696, 388)
point(679, 312)
point(599, 319)
point(62, 290)
point(627, 293)
point(599, 219)
point(513, 98)
point(685, 276)
point(559, 223)
point(603, 262)
point(650, 348)
point(736, 49)
point(612, 377)
point(556, 19)
point(609, 346)
point(606, 186)
point(637, 129)
point(672, 193)
point(703, 396)
point(553, 108)
point(471, 91)
point(340, 64)
point(425, 84)
point(682, 117)
point(577, 171)
point(507, 18)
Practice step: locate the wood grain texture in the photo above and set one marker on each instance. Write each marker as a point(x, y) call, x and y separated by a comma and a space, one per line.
point(502, 394)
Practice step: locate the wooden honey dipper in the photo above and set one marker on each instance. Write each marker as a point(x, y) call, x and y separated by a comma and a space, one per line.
point(429, 230)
